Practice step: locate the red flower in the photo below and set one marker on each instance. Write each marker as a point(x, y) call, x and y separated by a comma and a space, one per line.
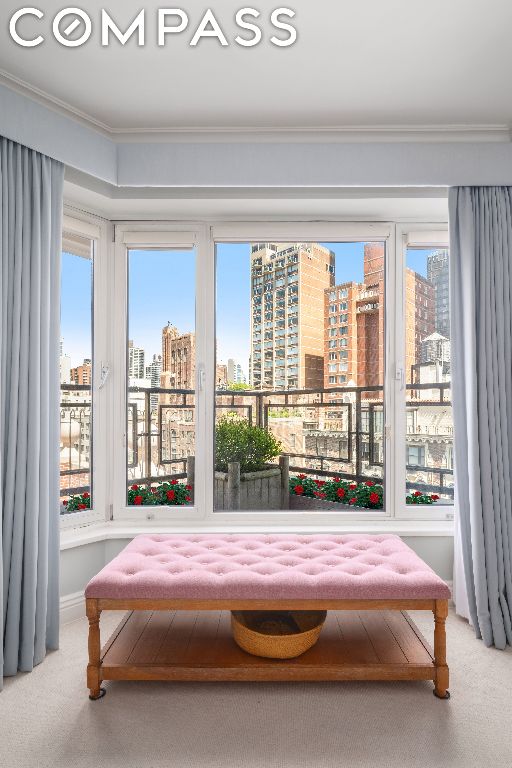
point(340, 492)
point(170, 495)
point(137, 500)
point(374, 498)
point(301, 477)
point(188, 487)
point(320, 483)
point(337, 479)
point(352, 500)
point(353, 486)
point(85, 495)
point(187, 498)
point(417, 493)
point(154, 490)
point(319, 495)
point(82, 506)
point(299, 489)
point(65, 503)
point(174, 482)
point(134, 488)
point(369, 483)
point(435, 497)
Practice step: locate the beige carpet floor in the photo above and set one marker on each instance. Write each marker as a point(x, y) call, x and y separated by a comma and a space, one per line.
point(46, 719)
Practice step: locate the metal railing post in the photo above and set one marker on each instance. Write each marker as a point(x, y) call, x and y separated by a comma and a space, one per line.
point(147, 430)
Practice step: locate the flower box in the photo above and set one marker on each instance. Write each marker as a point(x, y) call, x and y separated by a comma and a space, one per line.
point(307, 503)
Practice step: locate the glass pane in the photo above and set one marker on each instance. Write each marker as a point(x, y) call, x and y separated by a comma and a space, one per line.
point(161, 377)
point(300, 342)
point(76, 346)
point(429, 425)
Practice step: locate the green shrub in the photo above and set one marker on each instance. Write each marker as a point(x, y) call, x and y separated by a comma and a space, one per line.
point(237, 440)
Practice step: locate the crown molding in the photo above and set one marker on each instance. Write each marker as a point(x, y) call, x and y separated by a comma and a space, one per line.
point(435, 133)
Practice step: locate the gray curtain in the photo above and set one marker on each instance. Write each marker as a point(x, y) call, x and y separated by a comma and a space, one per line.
point(31, 188)
point(481, 308)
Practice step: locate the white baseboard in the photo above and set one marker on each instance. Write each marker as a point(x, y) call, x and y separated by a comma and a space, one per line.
point(72, 607)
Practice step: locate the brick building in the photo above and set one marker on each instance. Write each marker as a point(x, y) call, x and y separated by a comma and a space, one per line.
point(354, 324)
point(82, 374)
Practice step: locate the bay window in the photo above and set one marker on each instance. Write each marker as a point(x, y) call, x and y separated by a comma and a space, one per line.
point(196, 419)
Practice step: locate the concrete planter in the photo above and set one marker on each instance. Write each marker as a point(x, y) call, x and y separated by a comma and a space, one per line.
point(267, 489)
point(308, 504)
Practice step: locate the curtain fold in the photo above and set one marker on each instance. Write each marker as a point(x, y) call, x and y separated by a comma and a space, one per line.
point(31, 189)
point(481, 308)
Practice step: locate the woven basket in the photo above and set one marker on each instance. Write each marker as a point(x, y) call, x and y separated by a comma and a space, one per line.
point(277, 634)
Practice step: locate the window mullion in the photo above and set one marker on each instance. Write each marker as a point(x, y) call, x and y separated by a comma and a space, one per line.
point(399, 375)
point(205, 371)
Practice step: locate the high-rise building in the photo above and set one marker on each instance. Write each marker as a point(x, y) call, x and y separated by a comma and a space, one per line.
point(153, 370)
point(288, 281)
point(153, 373)
point(235, 374)
point(64, 366)
point(354, 323)
point(82, 374)
point(420, 316)
point(438, 273)
point(178, 358)
point(136, 360)
point(179, 361)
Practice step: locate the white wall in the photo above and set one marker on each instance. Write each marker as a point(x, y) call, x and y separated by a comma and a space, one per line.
point(242, 163)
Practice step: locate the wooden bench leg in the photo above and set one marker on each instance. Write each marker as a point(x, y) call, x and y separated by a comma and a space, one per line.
point(94, 665)
point(442, 673)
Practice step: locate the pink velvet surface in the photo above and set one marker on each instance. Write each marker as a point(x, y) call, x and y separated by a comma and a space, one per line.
point(267, 567)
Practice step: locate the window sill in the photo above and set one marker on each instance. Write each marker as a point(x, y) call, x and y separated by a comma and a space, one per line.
point(89, 534)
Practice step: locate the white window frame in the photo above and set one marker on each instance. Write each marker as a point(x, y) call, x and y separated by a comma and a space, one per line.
point(109, 402)
point(169, 237)
point(97, 230)
point(424, 236)
point(297, 231)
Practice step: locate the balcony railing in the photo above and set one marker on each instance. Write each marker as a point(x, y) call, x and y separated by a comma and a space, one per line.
point(325, 432)
point(75, 439)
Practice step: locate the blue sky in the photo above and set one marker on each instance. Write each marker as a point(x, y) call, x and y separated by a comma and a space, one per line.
point(161, 288)
point(75, 309)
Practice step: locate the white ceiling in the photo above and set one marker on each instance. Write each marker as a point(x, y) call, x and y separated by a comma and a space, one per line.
point(360, 63)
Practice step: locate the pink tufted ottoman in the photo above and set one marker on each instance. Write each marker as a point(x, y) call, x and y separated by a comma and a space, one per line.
point(180, 588)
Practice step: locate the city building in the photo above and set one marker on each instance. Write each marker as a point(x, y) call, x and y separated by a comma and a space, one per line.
point(288, 281)
point(235, 374)
point(354, 323)
point(438, 273)
point(153, 374)
point(64, 366)
point(136, 362)
point(178, 358)
point(82, 374)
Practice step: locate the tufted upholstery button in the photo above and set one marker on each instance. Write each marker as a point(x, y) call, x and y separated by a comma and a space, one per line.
point(245, 566)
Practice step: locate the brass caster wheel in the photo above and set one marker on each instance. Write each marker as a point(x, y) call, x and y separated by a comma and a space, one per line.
point(446, 695)
point(101, 695)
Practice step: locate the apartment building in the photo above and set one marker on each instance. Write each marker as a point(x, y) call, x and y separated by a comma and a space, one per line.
point(179, 361)
point(82, 374)
point(136, 361)
point(438, 273)
point(288, 281)
point(354, 323)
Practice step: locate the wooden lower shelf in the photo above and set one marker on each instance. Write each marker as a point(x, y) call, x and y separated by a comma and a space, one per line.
point(198, 645)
